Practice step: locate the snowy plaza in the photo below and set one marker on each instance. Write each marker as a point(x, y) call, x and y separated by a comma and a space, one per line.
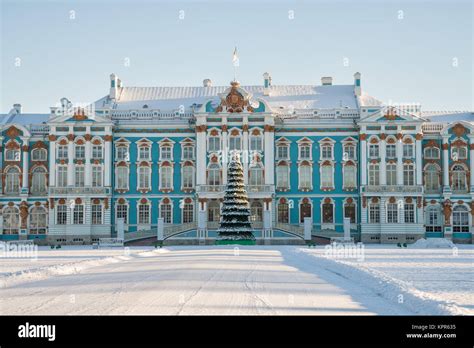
point(243, 280)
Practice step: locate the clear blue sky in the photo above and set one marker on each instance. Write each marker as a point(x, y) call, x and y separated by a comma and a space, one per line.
point(402, 60)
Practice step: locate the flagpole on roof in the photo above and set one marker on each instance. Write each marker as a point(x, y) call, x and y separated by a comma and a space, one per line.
point(235, 62)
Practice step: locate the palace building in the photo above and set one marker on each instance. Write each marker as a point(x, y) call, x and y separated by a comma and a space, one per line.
point(156, 158)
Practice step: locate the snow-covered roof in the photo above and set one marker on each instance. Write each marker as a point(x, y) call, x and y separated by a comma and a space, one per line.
point(23, 118)
point(284, 96)
point(448, 116)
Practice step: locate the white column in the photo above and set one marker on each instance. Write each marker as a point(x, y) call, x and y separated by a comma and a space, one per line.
point(201, 155)
point(471, 162)
point(25, 149)
point(70, 163)
point(225, 153)
point(245, 148)
point(269, 158)
point(445, 164)
point(108, 165)
point(383, 162)
point(363, 160)
point(52, 161)
point(399, 149)
point(419, 160)
point(88, 164)
point(1, 165)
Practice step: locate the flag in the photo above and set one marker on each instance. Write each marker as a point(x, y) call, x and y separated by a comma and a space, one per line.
point(235, 58)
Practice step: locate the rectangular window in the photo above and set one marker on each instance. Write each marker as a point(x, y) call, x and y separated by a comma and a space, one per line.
point(62, 152)
point(61, 214)
point(326, 152)
point(350, 176)
point(256, 143)
point(234, 143)
point(459, 153)
point(305, 177)
point(392, 213)
point(188, 152)
point(374, 178)
point(78, 216)
point(62, 176)
point(143, 178)
point(144, 214)
point(96, 214)
point(409, 213)
point(165, 211)
point(79, 177)
point(188, 213)
point(373, 151)
point(166, 178)
point(350, 151)
point(350, 212)
point(408, 175)
point(374, 213)
point(80, 152)
point(407, 150)
point(282, 152)
point(391, 150)
point(122, 178)
point(122, 153)
point(144, 153)
point(165, 153)
point(305, 152)
point(122, 212)
point(214, 144)
point(391, 174)
point(187, 177)
point(97, 152)
point(96, 176)
point(283, 179)
point(327, 176)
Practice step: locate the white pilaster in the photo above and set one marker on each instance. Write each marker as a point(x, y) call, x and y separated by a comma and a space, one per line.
point(52, 161)
point(245, 149)
point(1, 162)
point(419, 158)
point(108, 165)
point(383, 163)
point(70, 163)
point(471, 162)
point(25, 149)
point(363, 160)
point(269, 146)
point(399, 149)
point(201, 151)
point(445, 164)
point(225, 150)
point(88, 164)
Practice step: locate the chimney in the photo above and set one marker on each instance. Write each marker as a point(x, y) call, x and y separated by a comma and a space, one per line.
point(17, 108)
point(357, 89)
point(326, 81)
point(207, 83)
point(267, 83)
point(115, 83)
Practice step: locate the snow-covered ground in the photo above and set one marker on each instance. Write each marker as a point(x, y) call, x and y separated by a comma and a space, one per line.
point(247, 280)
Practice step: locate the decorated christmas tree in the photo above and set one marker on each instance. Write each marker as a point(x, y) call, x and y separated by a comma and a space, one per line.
point(235, 214)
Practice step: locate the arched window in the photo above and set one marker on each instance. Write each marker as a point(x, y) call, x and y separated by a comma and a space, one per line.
point(433, 219)
point(305, 210)
point(121, 179)
point(166, 177)
point(188, 177)
point(327, 177)
point(460, 219)
point(431, 153)
point(256, 209)
point(283, 176)
point(432, 175)
point(459, 179)
point(408, 174)
point(38, 180)
point(12, 181)
point(305, 177)
point(38, 220)
point(283, 212)
point(144, 216)
point(374, 177)
point(256, 174)
point(144, 178)
point(11, 220)
point(213, 212)
point(38, 155)
point(12, 155)
point(213, 174)
point(328, 212)
point(188, 212)
point(165, 211)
